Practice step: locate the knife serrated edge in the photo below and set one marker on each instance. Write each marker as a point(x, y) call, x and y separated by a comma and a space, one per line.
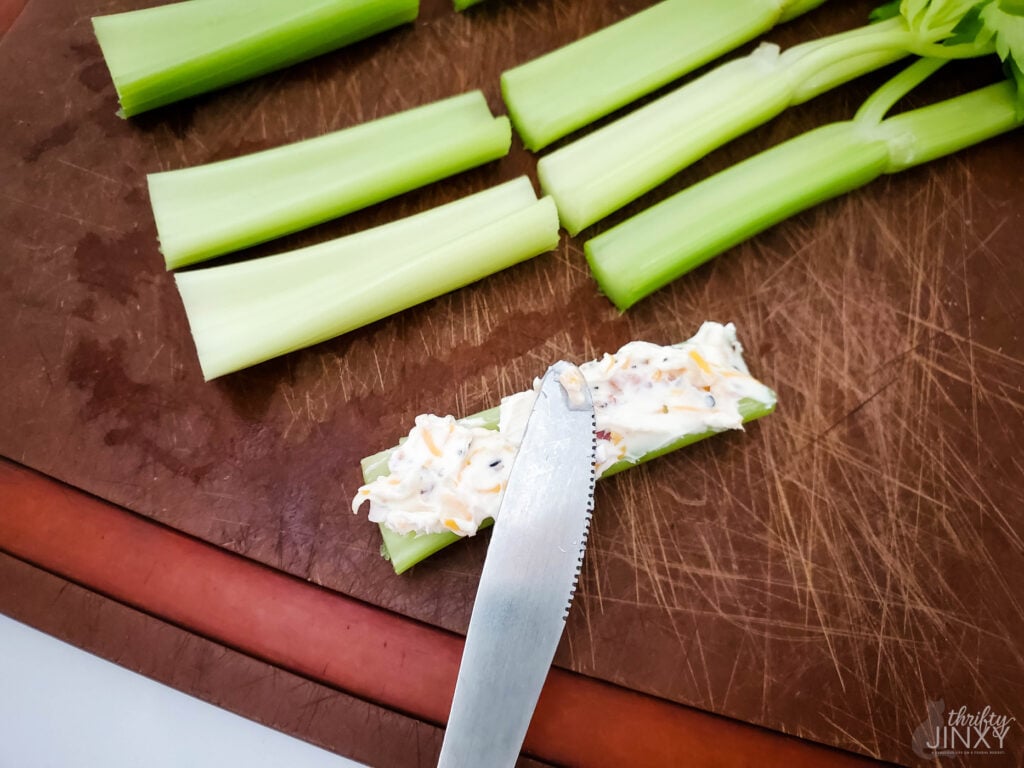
point(589, 517)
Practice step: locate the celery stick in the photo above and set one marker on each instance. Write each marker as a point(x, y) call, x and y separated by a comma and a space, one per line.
point(404, 551)
point(600, 173)
point(169, 52)
point(241, 314)
point(668, 240)
point(603, 171)
point(212, 209)
point(561, 91)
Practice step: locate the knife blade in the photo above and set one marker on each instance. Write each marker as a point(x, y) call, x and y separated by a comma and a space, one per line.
point(528, 579)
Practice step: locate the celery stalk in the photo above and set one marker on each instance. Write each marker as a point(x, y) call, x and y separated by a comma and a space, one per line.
point(241, 314)
point(169, 52)
point(603, 171)
point(212, 209)
point(561, 91)
point(668, 240)
point(406, 550)
point(600, 173)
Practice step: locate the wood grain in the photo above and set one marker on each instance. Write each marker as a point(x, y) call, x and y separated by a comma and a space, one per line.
point(826, 573)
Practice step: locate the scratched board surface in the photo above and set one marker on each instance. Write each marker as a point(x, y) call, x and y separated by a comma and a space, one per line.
point(827, 573)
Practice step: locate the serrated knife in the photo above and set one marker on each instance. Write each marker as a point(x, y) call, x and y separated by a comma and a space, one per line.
point(528, 579)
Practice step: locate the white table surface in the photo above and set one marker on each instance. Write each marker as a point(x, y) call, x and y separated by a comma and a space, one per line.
point(61, 707)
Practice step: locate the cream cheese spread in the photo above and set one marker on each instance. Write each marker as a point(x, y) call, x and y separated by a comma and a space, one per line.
point(449, 476)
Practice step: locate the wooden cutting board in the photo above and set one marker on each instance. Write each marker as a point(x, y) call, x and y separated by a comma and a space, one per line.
point(826, 573)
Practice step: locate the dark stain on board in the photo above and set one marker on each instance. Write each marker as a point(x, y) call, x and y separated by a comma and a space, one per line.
point(113, 266)
point(133, 409)
point(95, 77)
point(54, 139)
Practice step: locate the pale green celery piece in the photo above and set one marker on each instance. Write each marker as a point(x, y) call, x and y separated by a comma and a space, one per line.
point(241, 314)
point(682, 232)
point(160, 55)
point(406, 550)
point(461, 5)
point(208, 210)
point(603, 171)
point(931, 132)
point(561, 91)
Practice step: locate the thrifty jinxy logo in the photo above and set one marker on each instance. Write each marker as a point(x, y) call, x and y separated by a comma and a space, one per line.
point(959, 732)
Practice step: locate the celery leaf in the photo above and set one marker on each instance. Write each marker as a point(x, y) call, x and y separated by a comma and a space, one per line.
point(970, 28)
point(1004, 23)
point(889, 10)
point(937, 16)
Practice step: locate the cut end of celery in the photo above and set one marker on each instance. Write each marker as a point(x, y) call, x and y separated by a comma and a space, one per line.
point(532, 139)
point(606, 283)
point(572, 217)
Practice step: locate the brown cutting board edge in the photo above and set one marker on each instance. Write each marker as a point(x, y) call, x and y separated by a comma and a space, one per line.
point(827, 573)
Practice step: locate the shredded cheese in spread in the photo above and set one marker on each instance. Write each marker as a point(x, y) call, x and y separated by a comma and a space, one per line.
point(448, 476)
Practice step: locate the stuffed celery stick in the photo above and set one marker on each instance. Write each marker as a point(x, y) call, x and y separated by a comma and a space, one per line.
point(160, 55)
point(603, 171)
point(445, 480)
point(668, 240)
point(241, 314)
point(208, 210)
point(570, 87)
